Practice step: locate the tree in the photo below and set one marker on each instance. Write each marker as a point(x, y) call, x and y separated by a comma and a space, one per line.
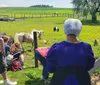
point(42, 5)
point(87, 6)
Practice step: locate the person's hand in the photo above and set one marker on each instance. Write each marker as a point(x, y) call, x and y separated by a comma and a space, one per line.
point(4, 62)
point(22, 63)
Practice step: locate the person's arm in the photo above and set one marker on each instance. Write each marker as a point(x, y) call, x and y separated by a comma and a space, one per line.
point(18, 55)
point(51, 59)
point(21, 59)
point(2, 49)
point(7, 48)
point(91, 59)
point(2, 46)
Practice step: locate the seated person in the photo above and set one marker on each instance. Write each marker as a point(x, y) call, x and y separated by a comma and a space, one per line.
point(18, 57)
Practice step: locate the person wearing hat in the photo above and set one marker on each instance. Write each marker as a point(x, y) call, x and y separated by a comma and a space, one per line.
point(3, 65)
point(71, 59)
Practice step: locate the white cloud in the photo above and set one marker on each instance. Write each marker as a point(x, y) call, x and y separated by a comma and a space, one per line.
point(3, 5)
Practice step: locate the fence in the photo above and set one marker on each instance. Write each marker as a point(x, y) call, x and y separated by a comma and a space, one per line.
point(40, 15)
point(90, 32)
point(45, 15)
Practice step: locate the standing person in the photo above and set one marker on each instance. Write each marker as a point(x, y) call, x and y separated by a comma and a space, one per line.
point(3, 66)
point(40, 54)
point(7, 47)
point(70, 60)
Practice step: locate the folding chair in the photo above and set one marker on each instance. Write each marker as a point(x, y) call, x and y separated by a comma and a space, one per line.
point(96, 66)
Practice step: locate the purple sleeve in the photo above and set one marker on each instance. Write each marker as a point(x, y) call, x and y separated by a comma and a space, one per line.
point(91, 59)
point(51, 61)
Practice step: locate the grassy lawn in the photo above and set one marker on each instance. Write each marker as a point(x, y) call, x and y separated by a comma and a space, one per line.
point(31, 75)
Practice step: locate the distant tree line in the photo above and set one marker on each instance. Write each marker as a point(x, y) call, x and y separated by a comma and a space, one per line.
point(46, 6)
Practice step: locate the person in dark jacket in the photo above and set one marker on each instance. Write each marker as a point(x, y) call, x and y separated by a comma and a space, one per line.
point(40, 54)
point(71, 59)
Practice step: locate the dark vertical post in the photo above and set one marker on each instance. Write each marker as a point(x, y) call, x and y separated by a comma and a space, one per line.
point(46, 14)
point(35, 46)
point(32, 15)
point(14, 15)
point(24, 15)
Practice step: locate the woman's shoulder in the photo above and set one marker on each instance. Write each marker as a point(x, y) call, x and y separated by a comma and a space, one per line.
point(6, 45)
point(16, 52)
point(57, 44)
point(85, 43)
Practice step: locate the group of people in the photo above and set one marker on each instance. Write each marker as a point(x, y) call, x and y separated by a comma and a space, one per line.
point(68, 60)
point(17, 62)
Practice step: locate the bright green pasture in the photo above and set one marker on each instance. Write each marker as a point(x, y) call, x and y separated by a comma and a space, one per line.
point(28, 10)
point(32, 76)
point(21, 12)
point(88, 34)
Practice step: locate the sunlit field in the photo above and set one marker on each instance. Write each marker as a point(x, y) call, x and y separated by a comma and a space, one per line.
point(31, 75)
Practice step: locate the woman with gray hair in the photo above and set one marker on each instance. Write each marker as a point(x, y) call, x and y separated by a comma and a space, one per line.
point(70, 60)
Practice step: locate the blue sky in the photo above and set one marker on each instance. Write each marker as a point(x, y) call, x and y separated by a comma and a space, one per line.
point(26, 3)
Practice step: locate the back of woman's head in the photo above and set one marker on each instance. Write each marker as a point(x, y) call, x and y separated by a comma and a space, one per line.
point(72, 26)
point(18, 45)
point(5, 38)
point(15, 47)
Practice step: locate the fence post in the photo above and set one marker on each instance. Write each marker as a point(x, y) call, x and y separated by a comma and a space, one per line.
point(32, 15)
point(24, 15)
point(14, 15)
point(35, 46)
point(46, 15)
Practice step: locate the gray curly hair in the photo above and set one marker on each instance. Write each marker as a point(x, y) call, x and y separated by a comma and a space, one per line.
point(72, 26)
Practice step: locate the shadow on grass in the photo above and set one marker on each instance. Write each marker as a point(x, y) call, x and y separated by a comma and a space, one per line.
point(28, 67)
point(59, 23)
point(33, 80)
point(89, 22)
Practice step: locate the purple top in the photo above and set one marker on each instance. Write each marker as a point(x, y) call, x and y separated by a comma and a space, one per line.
point(68, 54)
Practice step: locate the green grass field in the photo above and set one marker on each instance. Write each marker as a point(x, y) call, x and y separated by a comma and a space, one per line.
point(33, 10)
point(29, 75)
